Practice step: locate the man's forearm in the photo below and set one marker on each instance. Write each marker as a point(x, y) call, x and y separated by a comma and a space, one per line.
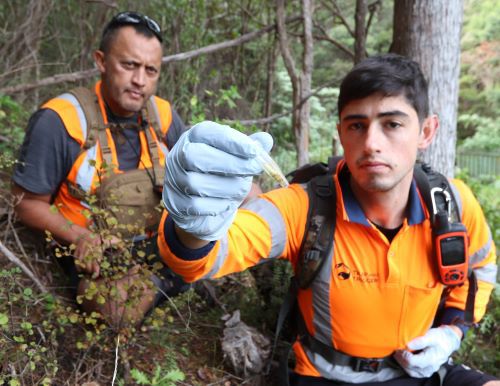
point(38, 215)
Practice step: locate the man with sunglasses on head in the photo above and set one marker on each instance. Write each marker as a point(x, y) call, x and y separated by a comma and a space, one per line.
point(69, 156)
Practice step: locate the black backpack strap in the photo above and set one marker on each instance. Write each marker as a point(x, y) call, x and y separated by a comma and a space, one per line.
point(471, 299)
point(427, 180)
point(305, 173)
point(317, 243)
point(320, 227)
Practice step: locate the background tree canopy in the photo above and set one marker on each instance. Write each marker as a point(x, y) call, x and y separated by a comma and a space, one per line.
point(226, 61)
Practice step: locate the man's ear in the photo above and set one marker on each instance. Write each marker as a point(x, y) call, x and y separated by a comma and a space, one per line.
point(428, 131)
point(99, 61)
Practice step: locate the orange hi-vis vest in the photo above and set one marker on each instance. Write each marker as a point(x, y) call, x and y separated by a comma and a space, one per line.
point(371, 296)
point(85, 173)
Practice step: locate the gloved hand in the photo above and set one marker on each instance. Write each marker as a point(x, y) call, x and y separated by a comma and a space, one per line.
point(430, 352)
point(208, 174)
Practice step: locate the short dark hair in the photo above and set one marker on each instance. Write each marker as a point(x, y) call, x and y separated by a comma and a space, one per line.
point(142, 24)
point(389, 75)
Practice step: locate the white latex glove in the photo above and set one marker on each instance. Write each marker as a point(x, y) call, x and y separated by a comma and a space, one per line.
point(208, 174)
point(429, 352)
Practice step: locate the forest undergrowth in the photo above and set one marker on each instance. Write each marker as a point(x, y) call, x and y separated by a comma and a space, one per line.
point(46, 340)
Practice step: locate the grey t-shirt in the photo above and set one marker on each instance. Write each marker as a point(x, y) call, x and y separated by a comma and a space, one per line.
point(48, 151)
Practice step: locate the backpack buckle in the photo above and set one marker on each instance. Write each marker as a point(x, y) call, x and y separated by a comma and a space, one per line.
point(370, 365)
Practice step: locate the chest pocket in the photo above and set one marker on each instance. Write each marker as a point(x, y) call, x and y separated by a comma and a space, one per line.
point(131, 202)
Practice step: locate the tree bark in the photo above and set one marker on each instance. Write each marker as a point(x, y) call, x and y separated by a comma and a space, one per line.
point(429, 32)
point(360, 31)
point(301, 83)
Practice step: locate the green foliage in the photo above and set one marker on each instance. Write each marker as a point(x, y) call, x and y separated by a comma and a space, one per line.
point(486, 191)
point(322, 124)
point(481, 347)
point(160, 377)
point(479, 88)
point(25, 338)
point(481, 21)
point(13, 119)
point(486, 132)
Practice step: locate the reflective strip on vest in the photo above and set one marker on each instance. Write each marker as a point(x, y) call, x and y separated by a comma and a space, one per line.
point(86, 171)
point(488, 273)
point(81, 115)
point(482, 253)
point(220, 258)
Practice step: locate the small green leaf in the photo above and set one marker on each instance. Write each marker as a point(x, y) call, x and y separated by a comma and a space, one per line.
point(4, 319)
point(140, 377)
point(175, 375)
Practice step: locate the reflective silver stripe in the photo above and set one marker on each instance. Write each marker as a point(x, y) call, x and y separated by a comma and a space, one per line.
point(321, 303)
point(458, 199)
point(163, 148)
point(81, 116)
point(269, 213)
point(347, 374)
point(488, 273)
point(321, 311)
point(274, 219)
point(481, 253)
point(86, 171)
point(220, 259)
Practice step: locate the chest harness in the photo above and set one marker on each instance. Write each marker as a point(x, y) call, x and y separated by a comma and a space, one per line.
point(132, 196)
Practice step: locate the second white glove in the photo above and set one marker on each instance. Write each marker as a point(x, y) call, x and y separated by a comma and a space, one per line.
point(429, 352)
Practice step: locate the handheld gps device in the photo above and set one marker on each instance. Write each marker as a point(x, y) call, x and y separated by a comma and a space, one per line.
point(450, 244)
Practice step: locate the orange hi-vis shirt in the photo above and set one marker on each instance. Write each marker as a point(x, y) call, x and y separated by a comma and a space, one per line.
point(84, 172)
point(371, 296)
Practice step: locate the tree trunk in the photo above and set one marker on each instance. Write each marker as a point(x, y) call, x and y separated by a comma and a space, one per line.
point(301, 83)
point(429, 32)
point(360, 31)
point(305, 85)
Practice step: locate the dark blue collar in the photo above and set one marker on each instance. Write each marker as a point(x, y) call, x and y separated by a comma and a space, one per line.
point(414, 211)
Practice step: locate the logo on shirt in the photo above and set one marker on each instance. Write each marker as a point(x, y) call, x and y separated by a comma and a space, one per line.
point(342, 271)
point(365, 277)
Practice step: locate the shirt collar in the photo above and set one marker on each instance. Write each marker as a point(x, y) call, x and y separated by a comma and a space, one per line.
point(352, 210)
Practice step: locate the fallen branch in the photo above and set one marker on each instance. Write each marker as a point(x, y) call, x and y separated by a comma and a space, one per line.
point(80, 75)
point(23, 267)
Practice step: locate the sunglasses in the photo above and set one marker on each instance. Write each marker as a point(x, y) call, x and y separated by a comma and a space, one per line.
point(125, 18)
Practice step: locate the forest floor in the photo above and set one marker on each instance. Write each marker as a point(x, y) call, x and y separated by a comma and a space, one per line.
point(46, 340)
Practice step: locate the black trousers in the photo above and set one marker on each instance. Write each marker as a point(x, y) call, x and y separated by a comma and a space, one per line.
point(456, 375)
